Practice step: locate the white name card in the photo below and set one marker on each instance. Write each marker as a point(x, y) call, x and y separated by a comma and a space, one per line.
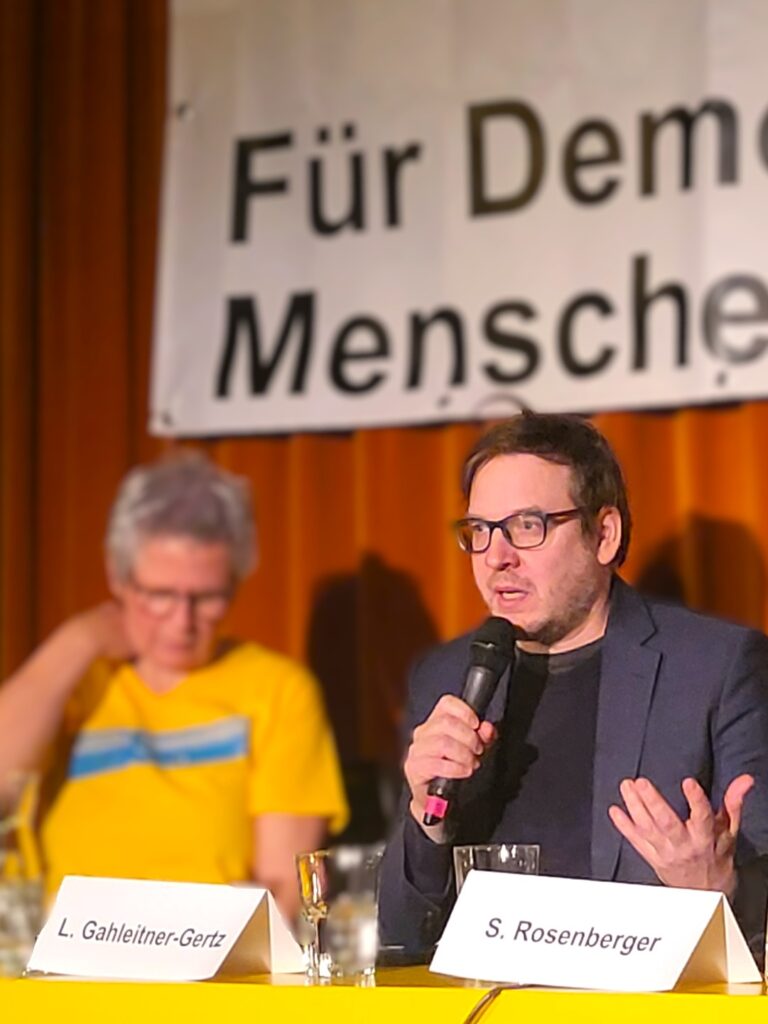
point(162, 931)
point(602, 935)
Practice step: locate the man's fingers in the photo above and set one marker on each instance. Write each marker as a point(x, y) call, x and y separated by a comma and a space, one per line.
point(702, 824)
point(623, 822)
point(487, 733)
point(449, 744)
point(696, 853)
point(444, 746)
point(734, 800)
point(625, 825)
point(451, 727)
point(650, 812)
point(456, 708)
point(635, 805)
point(429, 768)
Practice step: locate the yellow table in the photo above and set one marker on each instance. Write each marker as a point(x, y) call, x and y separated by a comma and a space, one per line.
point(400, 995)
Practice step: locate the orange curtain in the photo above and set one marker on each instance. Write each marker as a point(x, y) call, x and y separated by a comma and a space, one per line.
point(358, 568)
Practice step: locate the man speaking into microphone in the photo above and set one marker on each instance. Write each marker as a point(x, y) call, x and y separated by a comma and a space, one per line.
point(628, 738)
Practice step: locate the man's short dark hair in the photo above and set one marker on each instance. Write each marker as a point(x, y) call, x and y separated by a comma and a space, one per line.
point(569, 441)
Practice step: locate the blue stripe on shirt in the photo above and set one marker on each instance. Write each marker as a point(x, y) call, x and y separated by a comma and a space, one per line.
point(107, 750)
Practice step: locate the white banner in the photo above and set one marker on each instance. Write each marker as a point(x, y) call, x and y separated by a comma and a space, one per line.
point(424, 210)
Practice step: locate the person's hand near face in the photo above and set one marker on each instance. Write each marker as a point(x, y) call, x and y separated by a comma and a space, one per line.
point(103, 632)
point(36, 695)
point(164, 618)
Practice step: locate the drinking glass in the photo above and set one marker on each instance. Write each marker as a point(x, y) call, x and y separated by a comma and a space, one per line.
point(340, 905)
point(521, 858)
point(20, 884)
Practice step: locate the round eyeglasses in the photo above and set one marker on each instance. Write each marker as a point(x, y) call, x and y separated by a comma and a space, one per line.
point(522, 529)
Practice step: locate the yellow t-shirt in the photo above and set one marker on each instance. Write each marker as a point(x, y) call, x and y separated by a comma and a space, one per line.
point(165, 785)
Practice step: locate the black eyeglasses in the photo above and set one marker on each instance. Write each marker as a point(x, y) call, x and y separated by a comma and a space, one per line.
point(521, 529)
point(209, 605)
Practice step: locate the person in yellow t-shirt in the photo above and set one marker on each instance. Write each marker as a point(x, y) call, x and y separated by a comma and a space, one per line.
point(170, 754)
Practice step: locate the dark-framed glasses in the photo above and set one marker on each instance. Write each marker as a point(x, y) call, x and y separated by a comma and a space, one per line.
point(526, 529)
point(161, 602)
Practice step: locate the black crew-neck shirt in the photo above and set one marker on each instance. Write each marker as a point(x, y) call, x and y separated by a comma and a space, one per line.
point(546, 757)
point(542, 773)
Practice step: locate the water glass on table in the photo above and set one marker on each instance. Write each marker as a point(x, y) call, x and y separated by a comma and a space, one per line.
point(519, 858)
point(339, 897)
point(20, 883)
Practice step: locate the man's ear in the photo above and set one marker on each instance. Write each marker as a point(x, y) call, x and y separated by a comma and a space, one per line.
point(608, 534)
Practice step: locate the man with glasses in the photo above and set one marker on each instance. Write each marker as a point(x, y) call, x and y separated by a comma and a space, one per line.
point(168, 753)
point(630, 739)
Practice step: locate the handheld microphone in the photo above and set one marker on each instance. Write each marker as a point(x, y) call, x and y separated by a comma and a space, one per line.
point(491, 651)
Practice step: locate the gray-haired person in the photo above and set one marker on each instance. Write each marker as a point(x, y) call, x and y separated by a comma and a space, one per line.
point(166, 752)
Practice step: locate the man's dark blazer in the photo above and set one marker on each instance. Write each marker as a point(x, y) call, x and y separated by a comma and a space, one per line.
point(680, 695)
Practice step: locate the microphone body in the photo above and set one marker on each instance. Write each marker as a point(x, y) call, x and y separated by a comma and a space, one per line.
point(492, 651)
